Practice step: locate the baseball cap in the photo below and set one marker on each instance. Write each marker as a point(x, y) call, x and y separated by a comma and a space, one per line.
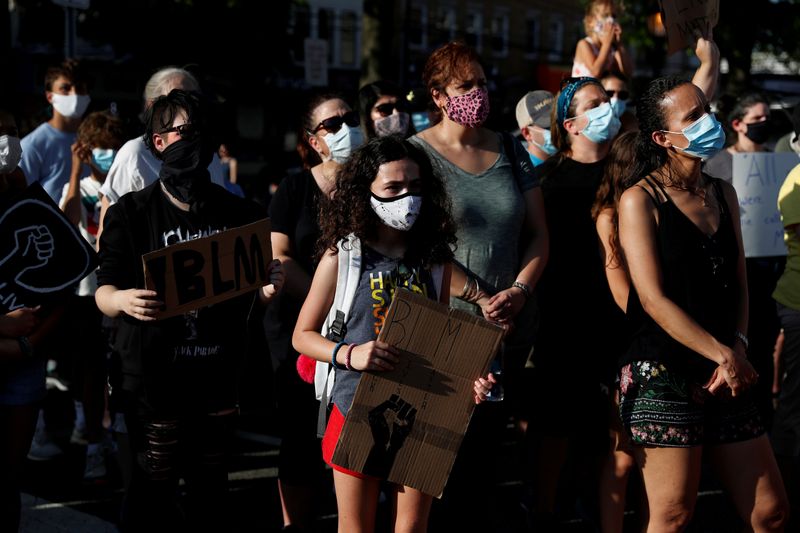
point(534, 108)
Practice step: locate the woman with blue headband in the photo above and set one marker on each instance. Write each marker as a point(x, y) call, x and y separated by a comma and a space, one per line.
point(685, 380)
point(574, 300)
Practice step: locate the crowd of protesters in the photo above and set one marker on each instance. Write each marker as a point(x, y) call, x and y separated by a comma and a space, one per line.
point(604, 237)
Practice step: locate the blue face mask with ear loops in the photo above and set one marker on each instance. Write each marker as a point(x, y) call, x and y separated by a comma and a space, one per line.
point(603, 124)
point(102, 158)
point(548, 147)
point(705, 135)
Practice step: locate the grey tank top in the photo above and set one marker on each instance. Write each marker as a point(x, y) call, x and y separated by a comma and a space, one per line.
point(380, 277)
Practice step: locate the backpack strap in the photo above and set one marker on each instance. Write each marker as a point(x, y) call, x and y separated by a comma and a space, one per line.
point(519, 166)
point(437, 272)
point(335, 327)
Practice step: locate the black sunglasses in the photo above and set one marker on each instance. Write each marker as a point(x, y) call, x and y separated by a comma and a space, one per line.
point(388, 108)
point(184, 130)
point(333, 124)
point(622, 95)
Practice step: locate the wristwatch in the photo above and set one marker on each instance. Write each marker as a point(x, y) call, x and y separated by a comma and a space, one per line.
point(25, 346)
point(525, 289)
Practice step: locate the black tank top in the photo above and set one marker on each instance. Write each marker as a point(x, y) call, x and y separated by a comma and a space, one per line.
point(699, 275)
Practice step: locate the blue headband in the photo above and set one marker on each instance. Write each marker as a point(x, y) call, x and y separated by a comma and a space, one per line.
point(568, 91)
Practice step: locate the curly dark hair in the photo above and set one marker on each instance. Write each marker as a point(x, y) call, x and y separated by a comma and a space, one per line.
point(651, 112)
point(101, 129)
point(615, 175)
point(431, 240)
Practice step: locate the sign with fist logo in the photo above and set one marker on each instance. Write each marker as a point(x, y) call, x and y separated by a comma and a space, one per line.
point(42, 255)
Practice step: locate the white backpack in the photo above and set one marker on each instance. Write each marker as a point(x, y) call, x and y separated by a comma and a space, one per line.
point(347, 279)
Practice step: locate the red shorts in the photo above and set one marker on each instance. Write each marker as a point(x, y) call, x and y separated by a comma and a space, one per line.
point(329, 440)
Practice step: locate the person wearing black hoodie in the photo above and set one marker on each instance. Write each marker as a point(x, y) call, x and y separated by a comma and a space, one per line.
point(179, 373)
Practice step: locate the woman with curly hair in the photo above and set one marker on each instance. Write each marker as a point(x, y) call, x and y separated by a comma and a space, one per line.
point(388, 199)
point(685, 378)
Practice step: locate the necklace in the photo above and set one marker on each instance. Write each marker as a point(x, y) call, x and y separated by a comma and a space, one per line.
point(699, 190)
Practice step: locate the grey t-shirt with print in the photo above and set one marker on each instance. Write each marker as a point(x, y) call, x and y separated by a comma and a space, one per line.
point(489, 211)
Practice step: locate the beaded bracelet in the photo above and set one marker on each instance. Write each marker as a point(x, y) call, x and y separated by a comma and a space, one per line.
point(333, 356)
point(347, 356)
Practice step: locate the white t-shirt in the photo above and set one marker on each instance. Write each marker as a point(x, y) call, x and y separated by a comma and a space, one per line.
point(90, 218)
point(135, 167)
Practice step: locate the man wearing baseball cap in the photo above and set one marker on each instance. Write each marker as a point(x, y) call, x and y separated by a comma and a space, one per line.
point(533, 119)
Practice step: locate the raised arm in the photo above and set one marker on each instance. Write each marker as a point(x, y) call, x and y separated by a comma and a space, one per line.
point(707, 73)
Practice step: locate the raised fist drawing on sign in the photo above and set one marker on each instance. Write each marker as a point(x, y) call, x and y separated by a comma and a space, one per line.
point(34, 247)
point(391, 422)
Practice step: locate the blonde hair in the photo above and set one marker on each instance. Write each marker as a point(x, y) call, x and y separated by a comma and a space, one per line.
point(594, 7)
point(157, 84)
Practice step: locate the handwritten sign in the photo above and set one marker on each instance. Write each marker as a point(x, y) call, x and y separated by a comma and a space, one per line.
point(407, 425)
point(201, 272)
point(42, 254)
point(685, 20)
point(757, 178)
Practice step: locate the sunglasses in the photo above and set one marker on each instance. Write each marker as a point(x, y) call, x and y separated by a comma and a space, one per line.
point(622, 95)
point(184, 130)
point(333, 124)
point(388, 108)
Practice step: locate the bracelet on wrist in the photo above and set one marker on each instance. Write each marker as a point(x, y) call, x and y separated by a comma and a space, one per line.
point(333, 355)
point(526, 290)
point(348, 355)
point(742, 337)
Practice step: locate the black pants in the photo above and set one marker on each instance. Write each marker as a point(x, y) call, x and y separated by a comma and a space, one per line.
point(193, 446)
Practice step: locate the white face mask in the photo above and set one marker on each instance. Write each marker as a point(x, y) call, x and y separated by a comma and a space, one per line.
point(10, 153)
point(398, 212)
point(343, 142)
point(71, 105)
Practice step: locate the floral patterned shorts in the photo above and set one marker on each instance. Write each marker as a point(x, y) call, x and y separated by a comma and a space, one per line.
point(663, 408)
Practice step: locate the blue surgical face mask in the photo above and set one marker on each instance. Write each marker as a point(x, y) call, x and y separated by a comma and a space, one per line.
point(102, 158)
point(603, 124)
point(619, 106)
point(705, 135)
point(343, 142)
point(421, 121)
point(548, 147)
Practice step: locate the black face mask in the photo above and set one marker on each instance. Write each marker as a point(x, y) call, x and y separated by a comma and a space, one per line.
point(184, 171)
point(758, 132)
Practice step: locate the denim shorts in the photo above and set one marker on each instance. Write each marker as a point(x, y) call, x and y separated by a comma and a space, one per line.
point(659, 407)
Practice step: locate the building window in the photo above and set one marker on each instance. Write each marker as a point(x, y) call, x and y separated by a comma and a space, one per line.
point(444, 26)
point(474, 29)
point(417, 29)
point(555, 38)
point(532, 39)
point(500, 33)
point(298, 30)
point(325, 31)
point(348, 50)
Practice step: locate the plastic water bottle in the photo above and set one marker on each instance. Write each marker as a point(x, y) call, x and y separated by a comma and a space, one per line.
point(497, 393)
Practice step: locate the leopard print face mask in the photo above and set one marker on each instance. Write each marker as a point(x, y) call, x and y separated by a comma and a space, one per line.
point(470, 109)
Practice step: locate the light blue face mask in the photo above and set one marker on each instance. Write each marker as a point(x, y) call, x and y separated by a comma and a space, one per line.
point(603, 124)
point(705, 135)
point(102, 158)
point(421, 121)
point(619, 106)
point(344, 142)
point(548, 147)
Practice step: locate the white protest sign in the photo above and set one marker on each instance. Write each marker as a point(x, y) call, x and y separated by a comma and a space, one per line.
point(757, 178)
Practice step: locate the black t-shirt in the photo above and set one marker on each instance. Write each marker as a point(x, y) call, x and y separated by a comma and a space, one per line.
point(293, 212)
point(573, 295)
point(189, 360)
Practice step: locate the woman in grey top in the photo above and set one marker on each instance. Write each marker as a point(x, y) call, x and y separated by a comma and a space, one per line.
point(502, 242)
